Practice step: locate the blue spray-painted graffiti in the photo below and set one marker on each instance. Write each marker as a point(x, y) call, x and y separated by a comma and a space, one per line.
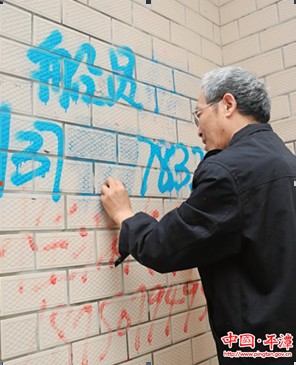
point(122, 61)
point(164, 153)
point(35, 141)
point(59, 72)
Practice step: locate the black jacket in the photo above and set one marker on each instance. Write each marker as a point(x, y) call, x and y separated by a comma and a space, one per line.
point(239, 228)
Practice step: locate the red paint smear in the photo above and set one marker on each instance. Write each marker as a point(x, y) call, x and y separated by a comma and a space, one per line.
point(154, 297)
point(53, 279)
point(58, 218)
point(32, 243)
point(98, 263)
point(21, 289)
point(171, 301)
point(75, 255)
point(192, 292)
point(43, 305)
point(72, 276)
point(151, 272)
point(73, 209)
point(57, 244)
point(38, 220)
point(109, 339)
point(83, 232)
point(53, 324)
point(2, 252)
point(1, 183)
point(84, 278)
point(126, 268)
point(174, 273)
point(155, 214)
point(97, 220)
point(87, 309)
point(124, 316)
point(142, 288)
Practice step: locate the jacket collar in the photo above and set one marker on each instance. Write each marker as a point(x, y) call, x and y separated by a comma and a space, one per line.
point(248, 130)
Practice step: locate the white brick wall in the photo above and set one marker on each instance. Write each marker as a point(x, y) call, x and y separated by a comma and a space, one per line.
point(61, 299)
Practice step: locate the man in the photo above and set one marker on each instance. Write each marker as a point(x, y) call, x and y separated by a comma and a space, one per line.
point(238, 226)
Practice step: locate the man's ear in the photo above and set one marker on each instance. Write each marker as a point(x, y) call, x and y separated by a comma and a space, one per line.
point(230, 104)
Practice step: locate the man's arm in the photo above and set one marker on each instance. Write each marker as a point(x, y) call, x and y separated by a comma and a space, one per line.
point(203, 230)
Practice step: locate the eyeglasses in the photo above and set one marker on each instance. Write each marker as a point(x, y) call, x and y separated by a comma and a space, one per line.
point(195, 113)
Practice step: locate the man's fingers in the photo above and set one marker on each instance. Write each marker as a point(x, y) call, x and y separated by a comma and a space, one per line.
point(104, 189)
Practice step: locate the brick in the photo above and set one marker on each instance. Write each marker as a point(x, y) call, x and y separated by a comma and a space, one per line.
point(210, 11)
point(150, 22)
point(167, 301)
point(128, 150)
point(10, 16)
point(60, 355)
point(65, 249)
point(141, 360)
point(18, 336)
point(134, 307)
point(79, 112)
point(203, 347)
point(31, 212)
point(50, 10)
point(16, 93)
point(153, 73)
point(71, 39)
point(293, 103)
point(240, 50)
point(217, 35)
point(118, 118)
point(148, 205)
point(185, 38)
point(199, 24)
point(66, 325)
point(106, 280)
point(76, 177)
point(280, 108)
point(153, 182)
point(287, 10)
point(229, 33)
point(186, 84)
point(290, 146)
point(169, 54)
point(157, 126)
point(148, 337)
point(182, 276)
point(197, 299)
point(281, 82)
point(187, 325)
point(212, 52)
point(102, 51)
point(188, 134)
point(264, 3)
point(23, 293)
point(97, 25)
point(90, 143)
point(258, 21)
point(107, 246)
point(137, 276)
point(285, 129)
point(106, 349)
point(278, 36)
point(290, 55)
point(15, 253)
point(122, 9)
point(130, 176)
point(236, 9)
point(170, 9)
point(177, 354)
point(13, 58)
point(265, 64)
point(214, 361)
point(223, 2)
point(198, 66)
point(88, 212)
point(173, 105)
point(137, 40)
point(171, 204)
point(146, 96)
point(194, 5)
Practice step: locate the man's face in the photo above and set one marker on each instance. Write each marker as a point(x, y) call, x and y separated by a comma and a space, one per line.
point(211, 124)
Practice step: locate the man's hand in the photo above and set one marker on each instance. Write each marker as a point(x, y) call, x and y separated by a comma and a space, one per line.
point(116, 201)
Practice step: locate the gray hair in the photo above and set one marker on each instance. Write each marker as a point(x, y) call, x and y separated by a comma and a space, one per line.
point(250, 93)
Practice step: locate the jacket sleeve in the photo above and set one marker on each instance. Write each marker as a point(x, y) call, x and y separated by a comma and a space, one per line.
point(203, 230)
